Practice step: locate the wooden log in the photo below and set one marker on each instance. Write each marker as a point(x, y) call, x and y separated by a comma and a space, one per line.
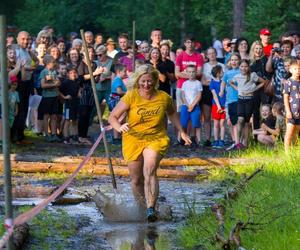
point(90, 169)
point(121, 162)
point(30, 191)
point(66, 200)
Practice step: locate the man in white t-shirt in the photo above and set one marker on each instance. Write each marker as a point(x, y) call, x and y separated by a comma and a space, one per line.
point(191, 93)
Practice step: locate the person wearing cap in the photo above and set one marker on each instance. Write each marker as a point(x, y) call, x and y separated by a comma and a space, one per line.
point(13, 102)
point(265, 36)
point(111, 48)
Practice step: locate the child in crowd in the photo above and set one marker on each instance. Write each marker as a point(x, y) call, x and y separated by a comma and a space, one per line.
point(245, 84)
point(191, 96)
point(69, 92)
point(231, 95)
point(13, 101)
point(265, 132)
point(287, 63)
point(62, 76)
point(49, 103)
point(292, 105)
point(218, 106)
point(118, 89)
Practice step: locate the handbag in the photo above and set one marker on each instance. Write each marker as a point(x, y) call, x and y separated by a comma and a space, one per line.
point(269, 88)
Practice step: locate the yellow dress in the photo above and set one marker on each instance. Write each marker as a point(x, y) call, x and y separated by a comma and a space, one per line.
point(146, 120)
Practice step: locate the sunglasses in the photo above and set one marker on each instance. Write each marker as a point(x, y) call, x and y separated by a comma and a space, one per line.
point(99, 55)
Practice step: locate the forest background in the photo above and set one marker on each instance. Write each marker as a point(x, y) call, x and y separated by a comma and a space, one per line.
point(207, 20)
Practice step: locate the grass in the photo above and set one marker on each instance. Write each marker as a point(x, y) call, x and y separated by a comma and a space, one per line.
point(271, 200)
point(49, 230)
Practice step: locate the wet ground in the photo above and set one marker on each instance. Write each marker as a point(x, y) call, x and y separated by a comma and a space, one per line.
point(97, 233)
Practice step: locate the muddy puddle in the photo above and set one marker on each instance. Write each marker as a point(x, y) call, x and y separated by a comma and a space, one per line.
point(97, 233)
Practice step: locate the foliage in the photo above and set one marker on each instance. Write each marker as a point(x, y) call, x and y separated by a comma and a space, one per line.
point(205, 19)
point(270, 200)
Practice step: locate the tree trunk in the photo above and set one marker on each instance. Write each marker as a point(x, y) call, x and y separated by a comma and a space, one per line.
point(182, 21)
point(239, 7)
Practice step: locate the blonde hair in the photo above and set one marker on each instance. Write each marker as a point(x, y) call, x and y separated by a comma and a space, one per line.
point(232, 55)
point(133, 81)
point(251, 53)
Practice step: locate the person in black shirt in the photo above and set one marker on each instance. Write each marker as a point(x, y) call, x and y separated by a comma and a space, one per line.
point(155, 60)
point(69, 91)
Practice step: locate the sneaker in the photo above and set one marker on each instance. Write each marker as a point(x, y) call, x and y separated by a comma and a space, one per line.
point(67, 140)
point(239, 146)
point(215, 144)
point(207, 143)
point(55, 138)
point(48, 138)
point(73, 141)
point(221, 144)
point(151, 214)
point(231, 147)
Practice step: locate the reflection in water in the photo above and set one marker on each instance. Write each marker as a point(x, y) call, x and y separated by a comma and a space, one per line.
point(138, 237)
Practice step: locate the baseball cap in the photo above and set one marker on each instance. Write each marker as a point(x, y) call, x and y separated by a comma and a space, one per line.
point(233, 41)
point(265, 31)
point(13, 79)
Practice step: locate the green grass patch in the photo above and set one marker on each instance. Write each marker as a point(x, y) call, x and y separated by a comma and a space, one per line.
point(270, 203)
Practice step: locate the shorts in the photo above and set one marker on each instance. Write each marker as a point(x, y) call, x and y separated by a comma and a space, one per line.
point(103, 95)
point(217, 116)
point(206, 96)
point(233, 112)
point(71, 113)
point(193, 116)
point(178, 99)
point(60, 108)
point(113, 101)
point(294, 121)
point(245, 108)
point(49, 105)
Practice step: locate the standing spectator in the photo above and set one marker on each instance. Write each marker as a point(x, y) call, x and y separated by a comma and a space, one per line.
point(242, 47)
point(292, 106)
point(87, 101)
point(258, 65)
point(123, 44)
point(276, 63)
point(219, 50)
point(111, 48)
point(245, 84)
point(218, 106)
point(89, 38)
point(24, 86)
point(13, 102)
point(49, 103)
point(98, 40)
point(206, 102)
point(156, 36)
point(226, 47)
point(231, 95)
point(10, 40)
point(144, 49)
point(190, 110)
point(61, 45)
point(70, 90)
point(183, 60)
point(265, 37)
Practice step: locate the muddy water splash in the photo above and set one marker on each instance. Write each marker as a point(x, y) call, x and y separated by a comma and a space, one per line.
point(119, 208)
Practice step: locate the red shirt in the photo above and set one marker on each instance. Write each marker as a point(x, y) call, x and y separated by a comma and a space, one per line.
point(267, 50)
point(184, 59)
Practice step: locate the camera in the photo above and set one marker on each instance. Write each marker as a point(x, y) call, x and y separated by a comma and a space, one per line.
point(277, 50)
